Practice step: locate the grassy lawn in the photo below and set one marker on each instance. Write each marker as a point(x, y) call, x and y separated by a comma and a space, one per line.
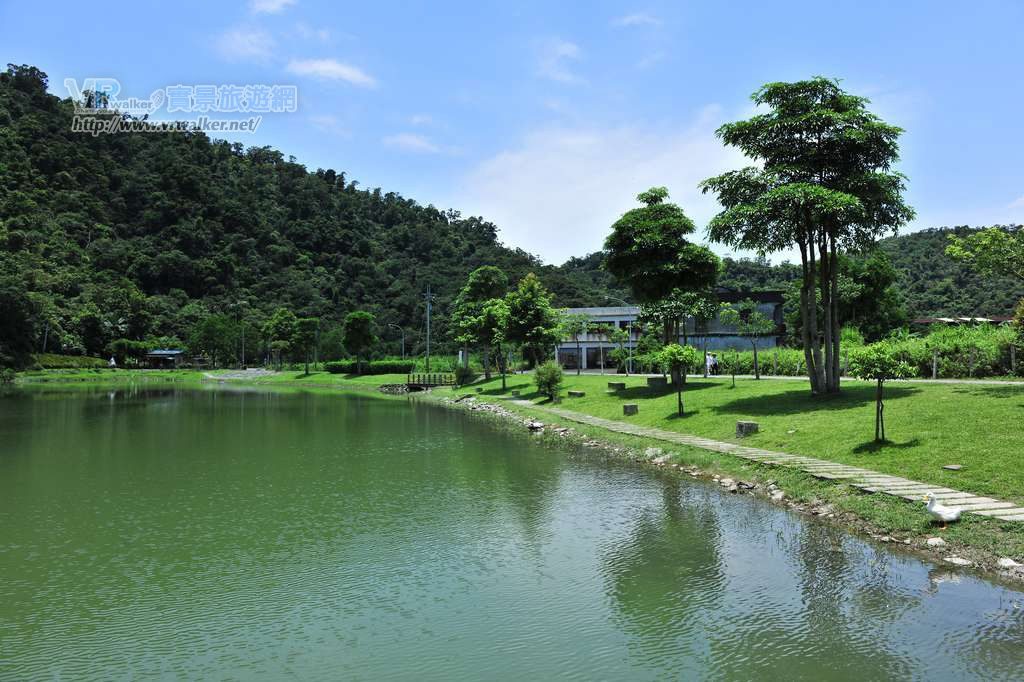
point(978, 427)
point(325, 379)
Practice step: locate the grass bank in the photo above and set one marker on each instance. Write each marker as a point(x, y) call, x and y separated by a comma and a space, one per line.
point(931, 425)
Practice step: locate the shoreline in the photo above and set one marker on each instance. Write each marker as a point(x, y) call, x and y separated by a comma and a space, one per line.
point(731, 475)
point(797, 491)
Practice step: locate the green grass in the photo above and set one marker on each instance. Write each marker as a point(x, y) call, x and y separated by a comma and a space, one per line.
point(326, 379)
point(928, 425)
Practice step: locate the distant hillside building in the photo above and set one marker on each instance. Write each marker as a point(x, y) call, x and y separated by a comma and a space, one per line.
point(165, 359)
point(716, 335)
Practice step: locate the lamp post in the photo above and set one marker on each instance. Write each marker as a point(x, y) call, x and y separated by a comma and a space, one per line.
point(629, 345)
point(392, 324)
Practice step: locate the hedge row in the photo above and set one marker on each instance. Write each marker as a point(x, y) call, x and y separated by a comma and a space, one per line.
point(53, 361)
point(372, 367)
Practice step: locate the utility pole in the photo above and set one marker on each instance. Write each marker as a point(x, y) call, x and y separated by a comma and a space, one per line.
point(430, 301)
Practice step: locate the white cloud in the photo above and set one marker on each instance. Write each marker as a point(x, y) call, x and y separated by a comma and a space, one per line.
point(553, 60)
point(269, 6)
point(329, 124)
point(421, 119)
point(558, 192)
point(1017, 203)
point(245, 43)
point(411, 142)
point(637, 19)
point(304, 31)
point(331, 69)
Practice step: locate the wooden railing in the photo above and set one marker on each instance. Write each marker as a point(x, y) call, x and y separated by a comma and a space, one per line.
point(432, 379)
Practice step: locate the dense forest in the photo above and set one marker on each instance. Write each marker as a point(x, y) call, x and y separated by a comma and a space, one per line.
point(143, 236)
point(934, 285)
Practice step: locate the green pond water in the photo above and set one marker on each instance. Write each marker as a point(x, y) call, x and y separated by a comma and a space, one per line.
point(213, 534)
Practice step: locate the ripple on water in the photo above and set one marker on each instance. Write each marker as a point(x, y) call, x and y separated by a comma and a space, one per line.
point(321, 537)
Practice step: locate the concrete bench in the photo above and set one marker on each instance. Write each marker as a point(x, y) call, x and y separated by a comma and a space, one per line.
point(576, 394)
point(616, 385)
point(657, 382)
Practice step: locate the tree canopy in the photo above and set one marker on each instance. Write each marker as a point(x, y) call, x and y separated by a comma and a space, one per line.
point(825, 186)
point(648, 250)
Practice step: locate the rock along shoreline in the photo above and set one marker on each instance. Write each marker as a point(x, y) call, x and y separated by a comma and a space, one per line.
point(933, 549)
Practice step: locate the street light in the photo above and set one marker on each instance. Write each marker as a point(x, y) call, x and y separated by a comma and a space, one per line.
point(392, 324)
point(629, 346)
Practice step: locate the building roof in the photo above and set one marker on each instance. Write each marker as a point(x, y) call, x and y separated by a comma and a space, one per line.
point(164, 353)
point(609, 311)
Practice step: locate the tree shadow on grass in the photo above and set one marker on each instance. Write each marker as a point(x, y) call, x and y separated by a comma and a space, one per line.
point(799, 400)
point(872, 446)
point(675, 416)
point(637, 392)
point(989, 391)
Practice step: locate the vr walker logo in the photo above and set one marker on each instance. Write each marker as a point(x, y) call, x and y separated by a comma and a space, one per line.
point(98, 96)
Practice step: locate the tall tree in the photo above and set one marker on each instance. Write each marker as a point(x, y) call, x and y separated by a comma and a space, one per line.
point(492, 324)
point(825, 185)
point(484, 284)
point(648, 251)
point(533, 323)
point(359, 337)
point(279, 331)
point(304, 339)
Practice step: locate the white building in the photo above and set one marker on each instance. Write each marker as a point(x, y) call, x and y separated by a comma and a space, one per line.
point(714, 336)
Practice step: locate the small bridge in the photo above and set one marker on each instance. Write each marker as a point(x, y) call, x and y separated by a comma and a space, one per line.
point(421, 382)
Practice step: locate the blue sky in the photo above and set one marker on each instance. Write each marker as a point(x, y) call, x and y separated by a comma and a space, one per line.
point(548, 118)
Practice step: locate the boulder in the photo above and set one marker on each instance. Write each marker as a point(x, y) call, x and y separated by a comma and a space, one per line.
point(629, 409)
point(778, 495)
point(651, 453)
point(1005, 562)
point(935, 542)
point(958, 561)
point(746, 428)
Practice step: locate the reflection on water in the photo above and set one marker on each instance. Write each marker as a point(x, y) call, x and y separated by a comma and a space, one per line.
point(197, 533)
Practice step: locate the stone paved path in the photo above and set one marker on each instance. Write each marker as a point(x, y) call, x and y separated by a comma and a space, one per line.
point(866, 479)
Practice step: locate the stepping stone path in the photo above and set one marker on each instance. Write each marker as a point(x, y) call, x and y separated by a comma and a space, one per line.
point(865, 479)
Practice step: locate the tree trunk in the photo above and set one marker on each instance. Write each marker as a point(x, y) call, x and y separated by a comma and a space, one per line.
point(502, 367)
point(679, 400)
point(809, 317)
point(487, 363)
point(879, 414)
point(579, 356)
point(757, 368)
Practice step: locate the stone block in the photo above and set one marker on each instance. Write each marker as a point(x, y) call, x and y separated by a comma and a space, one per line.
point(746, 429)
point(629, 409)
point(576, 394)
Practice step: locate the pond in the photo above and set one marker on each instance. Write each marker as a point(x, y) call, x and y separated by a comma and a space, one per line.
point(211, 534)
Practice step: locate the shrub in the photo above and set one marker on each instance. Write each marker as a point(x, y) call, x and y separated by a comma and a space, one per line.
point(374, 367)
point(53, 361)
point(548, 378)
point(7, 375)
point(465, 375)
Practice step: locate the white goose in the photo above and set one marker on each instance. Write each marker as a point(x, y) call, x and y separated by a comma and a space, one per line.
point(941, 511)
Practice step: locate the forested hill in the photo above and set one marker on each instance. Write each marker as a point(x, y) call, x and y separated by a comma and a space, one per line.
point(140, 235)
point(932, 284)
